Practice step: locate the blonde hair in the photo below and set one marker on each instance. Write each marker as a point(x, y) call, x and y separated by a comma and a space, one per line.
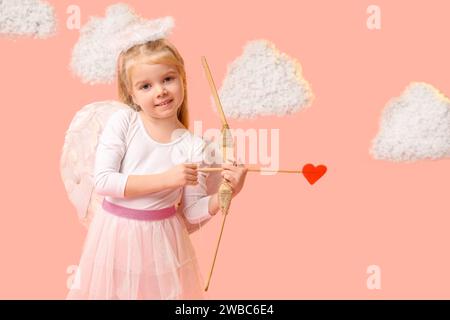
point(153, 52)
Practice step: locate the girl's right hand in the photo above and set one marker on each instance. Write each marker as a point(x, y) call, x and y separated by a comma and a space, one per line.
point(182, 175)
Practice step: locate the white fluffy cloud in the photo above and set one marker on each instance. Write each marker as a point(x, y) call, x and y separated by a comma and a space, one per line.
point(414, 126)
point(94, 56)
point(264, 81)
point(33, 18)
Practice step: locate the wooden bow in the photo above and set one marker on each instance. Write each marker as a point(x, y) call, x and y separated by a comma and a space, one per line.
point(225, 191)
point(311, 173)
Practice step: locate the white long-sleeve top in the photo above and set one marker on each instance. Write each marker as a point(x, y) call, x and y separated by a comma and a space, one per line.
point(125, 148)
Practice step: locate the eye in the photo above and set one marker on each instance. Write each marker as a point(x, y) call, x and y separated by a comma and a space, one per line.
point(168, 79)
point(145, 87)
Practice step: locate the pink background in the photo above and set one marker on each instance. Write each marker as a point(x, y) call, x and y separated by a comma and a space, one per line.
point(284, 238)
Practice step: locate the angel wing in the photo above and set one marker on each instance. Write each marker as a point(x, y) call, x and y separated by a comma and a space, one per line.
point(78, 156)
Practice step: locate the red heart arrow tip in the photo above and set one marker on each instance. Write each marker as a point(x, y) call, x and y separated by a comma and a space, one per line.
point(313, 173)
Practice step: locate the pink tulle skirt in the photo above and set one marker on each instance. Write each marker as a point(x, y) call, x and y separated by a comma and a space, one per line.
point(133, 259)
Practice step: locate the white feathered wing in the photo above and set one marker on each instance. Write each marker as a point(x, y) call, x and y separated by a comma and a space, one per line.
point(78, 156)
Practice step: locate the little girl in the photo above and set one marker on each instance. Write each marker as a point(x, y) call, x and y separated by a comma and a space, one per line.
point(137, 247)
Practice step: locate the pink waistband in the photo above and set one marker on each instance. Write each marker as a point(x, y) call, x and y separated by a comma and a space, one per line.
point(137, 213)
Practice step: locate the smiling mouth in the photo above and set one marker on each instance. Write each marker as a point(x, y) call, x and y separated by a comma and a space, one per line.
point(164, 103)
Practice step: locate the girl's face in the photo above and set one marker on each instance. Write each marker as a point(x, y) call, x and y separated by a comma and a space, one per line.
point(157, 89)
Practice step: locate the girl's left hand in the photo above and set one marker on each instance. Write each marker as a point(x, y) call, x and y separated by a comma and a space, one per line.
point(235, 175)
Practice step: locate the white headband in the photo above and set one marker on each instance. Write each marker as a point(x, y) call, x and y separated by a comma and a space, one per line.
point(94, 57)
